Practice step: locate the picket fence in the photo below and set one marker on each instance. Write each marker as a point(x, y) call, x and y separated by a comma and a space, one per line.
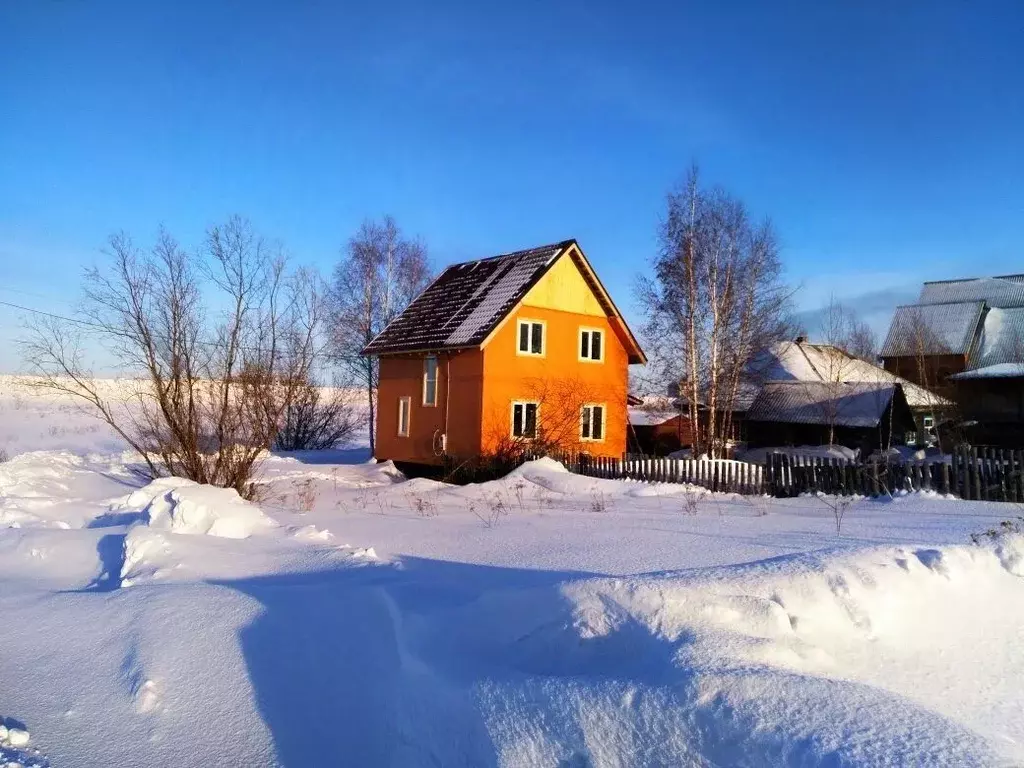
point(974, 473)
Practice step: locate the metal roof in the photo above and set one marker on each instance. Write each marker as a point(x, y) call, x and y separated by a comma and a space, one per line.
point(466, 302)
point(1006, 291)
point(860, 404)
point(1001, 340)
point(933, 329)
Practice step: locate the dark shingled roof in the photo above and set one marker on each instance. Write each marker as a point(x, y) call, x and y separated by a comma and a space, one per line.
point(466, 302)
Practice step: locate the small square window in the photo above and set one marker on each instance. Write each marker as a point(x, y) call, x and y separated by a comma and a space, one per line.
point(524, 420)
point(591, 344)
point(592, 423)
point(531, 337)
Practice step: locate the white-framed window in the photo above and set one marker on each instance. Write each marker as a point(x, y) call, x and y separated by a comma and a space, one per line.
point(430, 380)
point(524, 419)
point(592, 423)
point(591, 344)
point(404, 410)
point(530, 338)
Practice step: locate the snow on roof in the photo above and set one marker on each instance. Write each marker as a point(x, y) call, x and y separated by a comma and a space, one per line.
point(1001, 340)
point(466, 302)
point(997, 371)
point(641, 417)
point(857, 404)
point(801, 361)
point(933, 329)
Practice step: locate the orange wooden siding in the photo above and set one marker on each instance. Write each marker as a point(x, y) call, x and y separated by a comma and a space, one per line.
point(559, 379)
point(403, 377)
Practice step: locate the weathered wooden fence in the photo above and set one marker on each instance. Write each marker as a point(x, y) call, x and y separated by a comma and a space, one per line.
point(976, 473)
point(722, 475)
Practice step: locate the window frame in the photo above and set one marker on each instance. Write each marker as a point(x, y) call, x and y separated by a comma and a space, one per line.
point(579, 344)
point(437, 367)
point(407, 402)
point(512, 419)
point(529, 323)
point(604, 422)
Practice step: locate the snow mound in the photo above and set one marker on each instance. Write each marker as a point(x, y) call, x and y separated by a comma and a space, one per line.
point(182, 506)
point(894, 656)
point(15, 751)
point(552, 477)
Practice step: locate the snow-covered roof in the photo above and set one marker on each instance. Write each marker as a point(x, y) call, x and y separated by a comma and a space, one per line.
point(997, 371)
point(933, 329)
point(642, 417)
point(857, 404)
point(467, 301)
point(802, 361)
point(1001, 339)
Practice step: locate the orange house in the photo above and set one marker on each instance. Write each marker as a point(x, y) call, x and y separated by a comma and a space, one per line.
point(521, 349)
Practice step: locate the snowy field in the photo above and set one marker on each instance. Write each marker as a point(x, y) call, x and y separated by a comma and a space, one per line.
point(354, 618)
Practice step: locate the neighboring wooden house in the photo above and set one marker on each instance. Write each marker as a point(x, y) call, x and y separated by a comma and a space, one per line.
point(658, 426)
point(965, 339)
point(501, 353)
point(800, 360)
point(862, 415)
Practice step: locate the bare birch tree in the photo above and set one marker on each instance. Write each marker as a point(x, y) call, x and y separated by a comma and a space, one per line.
point(715, 300)
point(223, 338)
point(380, 274)
point(849, 340)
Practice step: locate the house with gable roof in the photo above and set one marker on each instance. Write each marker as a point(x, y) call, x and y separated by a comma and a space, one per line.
point(525, 347)
point(965, 339)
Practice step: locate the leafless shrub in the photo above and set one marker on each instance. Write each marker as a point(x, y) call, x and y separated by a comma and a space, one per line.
point(691, 501)
point(306, 494)
point(1013, 527)
point(422, 506)
point(215, 384)
point(839, 505)
point(496, 509)
point(761, 505)
point(598, 501)
point(3, 455)
point(318, 419)
point(519, 489)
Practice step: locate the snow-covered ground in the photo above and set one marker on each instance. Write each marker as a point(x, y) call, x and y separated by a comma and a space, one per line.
point(355, 618)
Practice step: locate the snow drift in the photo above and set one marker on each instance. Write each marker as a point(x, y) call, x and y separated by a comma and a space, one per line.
point(879, 657)
point(182, 506)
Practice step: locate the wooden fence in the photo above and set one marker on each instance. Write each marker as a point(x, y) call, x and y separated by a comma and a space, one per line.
point(722, 475)
point(976, 473)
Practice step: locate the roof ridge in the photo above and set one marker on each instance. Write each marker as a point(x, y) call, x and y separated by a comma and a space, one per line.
point(560, 245)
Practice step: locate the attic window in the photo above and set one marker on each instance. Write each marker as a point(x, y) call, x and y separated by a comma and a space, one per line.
point(591, 344)
point(531, 337)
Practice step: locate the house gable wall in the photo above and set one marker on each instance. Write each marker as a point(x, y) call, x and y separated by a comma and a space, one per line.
point(559, 380)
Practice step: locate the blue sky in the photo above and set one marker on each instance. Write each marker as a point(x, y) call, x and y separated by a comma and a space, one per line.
point(883, 139)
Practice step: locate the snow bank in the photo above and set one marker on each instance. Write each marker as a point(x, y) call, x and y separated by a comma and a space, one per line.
point(894, 656)
point(182, 506)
